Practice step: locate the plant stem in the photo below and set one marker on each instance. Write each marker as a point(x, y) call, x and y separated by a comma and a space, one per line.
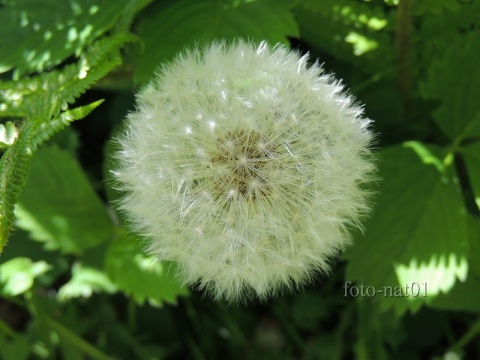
point(469, 336)
point(73, 338)
point(6, 329)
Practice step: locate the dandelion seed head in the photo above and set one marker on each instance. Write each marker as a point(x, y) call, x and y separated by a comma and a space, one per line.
point(245, 166)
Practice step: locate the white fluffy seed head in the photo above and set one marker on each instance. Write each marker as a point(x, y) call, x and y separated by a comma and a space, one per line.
point(246, 167)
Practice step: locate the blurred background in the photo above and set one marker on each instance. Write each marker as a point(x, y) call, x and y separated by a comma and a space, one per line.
point(76, 284)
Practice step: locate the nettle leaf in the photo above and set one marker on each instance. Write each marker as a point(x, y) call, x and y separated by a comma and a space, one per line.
point(84, 282)
point(465, 296)
point(139, 275)
point(17, 275)
point(59, 207)
point(454, 79)
point(438, 30)
point(189, 21)
point(349, 30)
point(37, 34)
point(418, 235)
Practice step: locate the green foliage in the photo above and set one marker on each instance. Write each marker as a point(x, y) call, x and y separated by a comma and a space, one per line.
point(138, 274)
point(84, 282)
point(401, 244)
point(37, 35)
point(66, 209)
point(190, 21)
point(459, 113)
point(40, 98)
point(75, 284)
point(348, 29)
point(17, 275)
point(471, 154)
point(44, 95)
point(14, 167)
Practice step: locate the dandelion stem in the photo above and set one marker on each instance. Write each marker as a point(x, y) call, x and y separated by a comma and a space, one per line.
point(469, 336)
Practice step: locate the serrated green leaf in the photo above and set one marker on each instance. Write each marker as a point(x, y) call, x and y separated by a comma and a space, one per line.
point(38, 34)
point(17, 275)
point(139, 275)
point(46, 130)
point(454, 79)
point(465, 296)
point(58, 205)
point(183, 23)
point(418, 234)
point(14, 167)
point(84, 282)
point(438, 30)
point(44, 95)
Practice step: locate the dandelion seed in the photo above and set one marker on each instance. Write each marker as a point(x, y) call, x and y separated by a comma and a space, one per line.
point(262, 164)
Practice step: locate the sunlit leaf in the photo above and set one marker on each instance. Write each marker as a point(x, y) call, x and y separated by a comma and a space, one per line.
point(84, 282)
point(416, 242)
point(139, 275)
point(8, 134)
point(37, 34)
point(349, 30)
point(58, 205)
point(465, 296)
point(17, 275)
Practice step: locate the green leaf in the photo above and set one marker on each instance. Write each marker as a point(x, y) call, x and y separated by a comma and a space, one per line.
point(474, 241)
point(183, 23)
point(43, 96)
point(58, 205)
point(46, 130)
point(471, 154)
point(16, 348)
point(38, 34)
point(14, 167)
point(465, 296)
point(349, 30)
point(84, 282)
point(139, 275)
point(434, 6)
point(454, 79)
point(417, 236)
point(17, 275)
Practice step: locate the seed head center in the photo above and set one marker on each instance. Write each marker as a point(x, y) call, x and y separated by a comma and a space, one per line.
point(242, 158)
